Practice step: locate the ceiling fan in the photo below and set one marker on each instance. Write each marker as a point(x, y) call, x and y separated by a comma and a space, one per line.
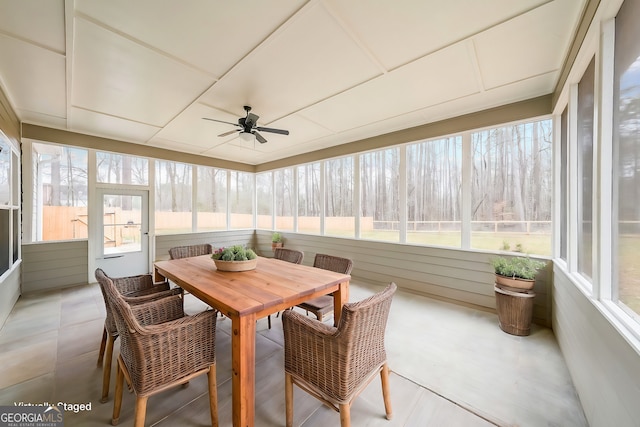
point(249, 125)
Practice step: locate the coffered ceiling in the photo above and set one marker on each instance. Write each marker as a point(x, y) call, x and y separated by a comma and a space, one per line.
point(329, 71)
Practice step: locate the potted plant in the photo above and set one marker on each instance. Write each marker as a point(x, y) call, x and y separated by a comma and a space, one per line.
point(276, 240)
point(516, 272)
point(515, 278)
point(235, 258)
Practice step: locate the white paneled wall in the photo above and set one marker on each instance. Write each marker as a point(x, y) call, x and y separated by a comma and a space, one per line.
point(605, 369)
point(54, 265)
point(463, 277)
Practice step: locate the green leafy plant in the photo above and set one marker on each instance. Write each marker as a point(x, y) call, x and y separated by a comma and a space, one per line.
point(276, 237)
point(234, 253)
point(517, 267)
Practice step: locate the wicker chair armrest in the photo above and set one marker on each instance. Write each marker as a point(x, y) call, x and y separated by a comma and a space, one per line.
point(159, 310)
point(153, 296)
point(172, 350)
point(307, 325)
point(147, 290)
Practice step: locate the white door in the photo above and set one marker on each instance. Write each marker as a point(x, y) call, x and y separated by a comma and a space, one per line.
point(122, 238)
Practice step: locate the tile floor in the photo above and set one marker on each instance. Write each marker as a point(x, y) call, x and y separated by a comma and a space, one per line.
point(451, 366)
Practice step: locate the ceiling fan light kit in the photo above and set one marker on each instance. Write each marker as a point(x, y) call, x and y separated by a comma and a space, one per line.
point(248, 127)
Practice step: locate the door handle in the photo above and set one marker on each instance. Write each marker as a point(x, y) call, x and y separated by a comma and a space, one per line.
point(112, 257)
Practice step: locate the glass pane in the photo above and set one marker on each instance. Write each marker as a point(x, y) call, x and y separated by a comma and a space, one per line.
point(122, 223)
point(285, 199)
point(16, 234)
point(59, 192)
point(627, 165)
point(173, 198)
point(5, 242)
point(564, 167)
point(120, 169)
point(309, 201)
point(5, 170)
point(339, 217)
point(380, 195)
point(211, 202)
point(434, 177)
point(585, 170)
point(241, 202)
point(264, 193)
point(511, 188)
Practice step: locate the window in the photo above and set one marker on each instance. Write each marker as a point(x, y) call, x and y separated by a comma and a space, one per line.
point(380, 195)
point(285, 199)
point(434, 178)
point(309, 198)
point(564, 194)
point(241, 200)
point(173, 198)
point(626, 141)
point(60, 193)
point(585, 170)
point(9, 205)
point(120, 169)
point(264, 197)
point(339, 183)
point(511, 188)
point(211, 200)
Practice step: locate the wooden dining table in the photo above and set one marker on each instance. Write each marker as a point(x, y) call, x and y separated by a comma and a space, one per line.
point(247, 296)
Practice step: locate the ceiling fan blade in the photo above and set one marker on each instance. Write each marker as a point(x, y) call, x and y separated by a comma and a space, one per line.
point(220, 121)
point(272, 130)
point(259, 137)
point(229, 133)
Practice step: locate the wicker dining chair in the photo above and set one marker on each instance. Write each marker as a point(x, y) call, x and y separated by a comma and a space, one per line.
point(321, 306)
point(289, 255)
point(334, 364)
point(178, 252)
point(135, 290)
point(161, 348)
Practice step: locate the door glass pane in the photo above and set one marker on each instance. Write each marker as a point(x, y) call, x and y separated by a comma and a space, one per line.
point(122, 231)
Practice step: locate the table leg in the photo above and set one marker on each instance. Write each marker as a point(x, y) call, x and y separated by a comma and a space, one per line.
point(243, 361)
point(340, 298)
point(157, 277)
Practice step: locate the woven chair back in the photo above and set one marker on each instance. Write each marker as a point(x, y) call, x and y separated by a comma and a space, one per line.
point(190, 251)
point(362, 331)
point(289, 255)
point(333, 263)
point(109, 323)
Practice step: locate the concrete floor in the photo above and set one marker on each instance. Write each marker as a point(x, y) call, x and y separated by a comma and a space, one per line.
point(451, 366)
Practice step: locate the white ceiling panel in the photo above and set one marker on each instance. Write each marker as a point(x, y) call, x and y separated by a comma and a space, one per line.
point(39, 22)
point(527, 45)
point(310, 59)
point(34, 77)
point(189, 127)
point(398, 34)
point(110, 127)
point(116, 76)
point(443, 76)
point(203, 33)
point(329, 71)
